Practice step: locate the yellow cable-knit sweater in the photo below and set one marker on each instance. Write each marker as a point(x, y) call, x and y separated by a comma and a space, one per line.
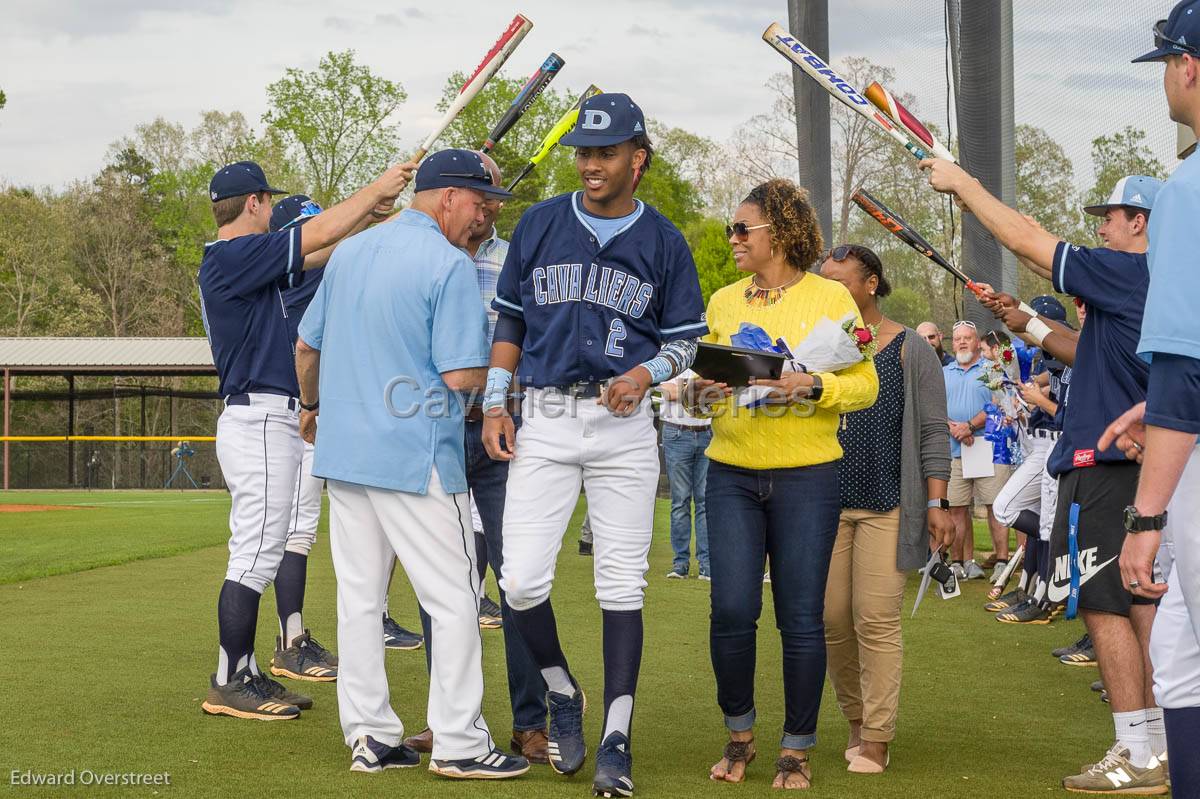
point(752, 439)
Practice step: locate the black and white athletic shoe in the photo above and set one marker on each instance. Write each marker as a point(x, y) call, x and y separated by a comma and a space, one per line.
point(614, 767)
point(371, 756)
point(566, 746)
point(493, 765)
point(396, 637)
point(1083, 643)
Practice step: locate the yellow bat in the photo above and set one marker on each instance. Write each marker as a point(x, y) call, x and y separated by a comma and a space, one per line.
point(560, 129)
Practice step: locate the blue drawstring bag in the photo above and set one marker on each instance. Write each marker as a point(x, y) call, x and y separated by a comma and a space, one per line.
point(1000, 434)
point(753, 337)
point(1025, 356)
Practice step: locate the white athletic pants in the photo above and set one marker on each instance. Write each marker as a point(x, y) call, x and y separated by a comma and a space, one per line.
point(1175, 639)
point(1030, 488)
point(259, 450)
point(431, 536)
point(306, 507)
point(563, 442)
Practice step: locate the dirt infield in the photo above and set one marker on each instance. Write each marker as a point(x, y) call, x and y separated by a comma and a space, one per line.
point(31, 508)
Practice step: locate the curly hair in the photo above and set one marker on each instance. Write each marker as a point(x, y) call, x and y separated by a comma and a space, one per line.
point(794, 226)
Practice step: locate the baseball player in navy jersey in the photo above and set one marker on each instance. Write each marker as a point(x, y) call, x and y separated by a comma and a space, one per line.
point(1107, 378)
point(241, 280)
point(598, 300)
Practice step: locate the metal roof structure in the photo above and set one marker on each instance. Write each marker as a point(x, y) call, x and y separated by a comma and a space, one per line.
point(121, 357)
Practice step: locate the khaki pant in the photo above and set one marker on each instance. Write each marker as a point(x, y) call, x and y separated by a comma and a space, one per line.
point(862, 621)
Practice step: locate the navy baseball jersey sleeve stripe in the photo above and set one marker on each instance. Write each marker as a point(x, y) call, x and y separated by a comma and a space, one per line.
point(1173, 397)
point(1101, 277)
point(595, 310)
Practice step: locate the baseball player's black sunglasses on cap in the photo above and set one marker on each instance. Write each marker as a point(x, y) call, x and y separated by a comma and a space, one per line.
point(1161, 38)
point(741, 230)
point(485, 177)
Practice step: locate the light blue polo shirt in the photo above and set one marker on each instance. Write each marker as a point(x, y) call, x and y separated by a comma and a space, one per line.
point(398, 306)
point(965, 395)
point(1169, 322)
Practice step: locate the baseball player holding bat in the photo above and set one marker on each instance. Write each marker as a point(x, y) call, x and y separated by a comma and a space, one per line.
point(598, 300)
point(241, 280)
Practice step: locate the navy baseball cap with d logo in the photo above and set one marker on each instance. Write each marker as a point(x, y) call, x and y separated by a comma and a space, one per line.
point(606, 119)
point(243, 177)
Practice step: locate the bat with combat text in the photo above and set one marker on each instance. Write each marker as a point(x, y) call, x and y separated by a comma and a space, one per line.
point(489, 66)
point(525, 98)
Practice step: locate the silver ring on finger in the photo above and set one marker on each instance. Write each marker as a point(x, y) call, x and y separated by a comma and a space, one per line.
point(1134, 584)
point(1138, 447)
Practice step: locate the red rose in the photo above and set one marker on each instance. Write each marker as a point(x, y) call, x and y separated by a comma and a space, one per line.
point(1007, 356)
point(863, 336)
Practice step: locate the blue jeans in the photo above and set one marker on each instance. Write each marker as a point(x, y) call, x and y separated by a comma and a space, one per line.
point(790, 515)
point(487, 478)
point(687, 470)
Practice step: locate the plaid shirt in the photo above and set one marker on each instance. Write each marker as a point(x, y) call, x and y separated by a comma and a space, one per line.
point(489, 258)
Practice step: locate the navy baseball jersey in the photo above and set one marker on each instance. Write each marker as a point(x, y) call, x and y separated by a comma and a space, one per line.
point(241, 302)
point(594, 311)
point(1039, 419)
point(1108, 377)
point(296, 300)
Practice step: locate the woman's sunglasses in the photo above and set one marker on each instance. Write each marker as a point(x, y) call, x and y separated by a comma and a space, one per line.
point(842, 252)
point(741, 230)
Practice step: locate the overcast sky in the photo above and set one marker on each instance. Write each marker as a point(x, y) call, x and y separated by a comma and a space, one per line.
point(80, 74)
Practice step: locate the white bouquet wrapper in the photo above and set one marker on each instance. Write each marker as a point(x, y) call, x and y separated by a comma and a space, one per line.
point(827, 349)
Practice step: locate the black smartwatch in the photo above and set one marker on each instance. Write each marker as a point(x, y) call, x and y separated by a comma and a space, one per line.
point(816, 389)
point(310, 408)
point(1135, 523)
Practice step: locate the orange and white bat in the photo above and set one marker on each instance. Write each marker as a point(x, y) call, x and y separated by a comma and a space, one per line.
point(489, 66)
point(886, 102)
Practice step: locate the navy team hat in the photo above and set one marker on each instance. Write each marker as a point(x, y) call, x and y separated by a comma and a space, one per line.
point(606, 119)
point(1049, 307)
point(244, 177)
point(448, 169)
point(294, 210)
point(1179, 33)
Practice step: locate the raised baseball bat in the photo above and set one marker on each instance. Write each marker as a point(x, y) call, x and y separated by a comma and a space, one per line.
point(905, 232)
point(560, 129)
point(840, 89)
point(525, 98)
point(886, 102)
point(489, 66)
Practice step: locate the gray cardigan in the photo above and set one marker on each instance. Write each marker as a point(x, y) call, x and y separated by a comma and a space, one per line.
point(924, 447)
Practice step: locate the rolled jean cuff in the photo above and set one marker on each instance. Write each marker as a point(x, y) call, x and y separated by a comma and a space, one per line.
point(530, 727)
point(742, 723)
point(793, 741)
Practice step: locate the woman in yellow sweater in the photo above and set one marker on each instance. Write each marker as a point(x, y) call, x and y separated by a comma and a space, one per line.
point(773, 477)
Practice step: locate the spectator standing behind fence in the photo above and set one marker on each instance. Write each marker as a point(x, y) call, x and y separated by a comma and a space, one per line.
point(772, 478)
point(966, 394)
point(893, 481)
point(684, 439)
point(933, 334)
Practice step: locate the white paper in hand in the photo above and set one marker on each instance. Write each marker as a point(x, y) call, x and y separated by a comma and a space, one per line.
point(977, 459)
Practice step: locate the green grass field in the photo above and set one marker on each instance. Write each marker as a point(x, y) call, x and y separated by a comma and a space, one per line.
point(107, 614)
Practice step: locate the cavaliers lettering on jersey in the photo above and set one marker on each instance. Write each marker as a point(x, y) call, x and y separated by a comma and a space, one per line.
point(593, 312)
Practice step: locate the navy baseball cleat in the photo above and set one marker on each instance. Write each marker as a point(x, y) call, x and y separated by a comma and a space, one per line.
point(279, 692)
point(493, 765)
point(614, 766)
point(396, 637)
point(566, 746)
point(305, 659)
point(245, 697)
point(371, 756)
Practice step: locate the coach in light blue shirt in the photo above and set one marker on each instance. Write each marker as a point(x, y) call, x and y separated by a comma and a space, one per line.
point(966, 393)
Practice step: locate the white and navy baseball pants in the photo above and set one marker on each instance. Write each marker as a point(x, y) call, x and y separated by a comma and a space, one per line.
point(1030, 488)
point(259, 449)
point(1175, 638)
point(565, 442)
point(306, 506)
point(432, 538)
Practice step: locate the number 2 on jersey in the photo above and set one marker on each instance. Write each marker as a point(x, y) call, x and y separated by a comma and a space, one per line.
point(616, 334)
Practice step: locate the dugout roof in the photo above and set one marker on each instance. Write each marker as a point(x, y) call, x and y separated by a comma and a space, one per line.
point(113, 357)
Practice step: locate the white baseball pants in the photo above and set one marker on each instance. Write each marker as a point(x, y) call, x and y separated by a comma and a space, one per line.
point(1030, 488)
point(306, 507)
point(432, 538)
point(259, 450)
point(1175, 638)
point(562, 443)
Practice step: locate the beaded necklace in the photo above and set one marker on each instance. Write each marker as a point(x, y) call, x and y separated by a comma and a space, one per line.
point(755, 295)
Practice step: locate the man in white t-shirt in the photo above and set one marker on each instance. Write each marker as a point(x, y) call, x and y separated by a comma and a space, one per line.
point(684, 440)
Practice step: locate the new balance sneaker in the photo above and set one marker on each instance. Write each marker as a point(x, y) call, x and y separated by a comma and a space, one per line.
point(614, 767)
point(958, 571)
point(1116, 775)
point(972, 571)
point(677, 573)
point(371, 756)
point(489, 614)
point(1009, 600)
point(305, 659)
point(1083, 657)
point(998, 569)
point(493, 765)
point(1082, 643)
point(1028, 612)
point(244, 697)
point(566, 747)
point(279, 692)
point(396, 637)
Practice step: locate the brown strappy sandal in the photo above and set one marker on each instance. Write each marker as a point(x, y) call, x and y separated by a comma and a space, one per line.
point(789, 765)
point(736, 752)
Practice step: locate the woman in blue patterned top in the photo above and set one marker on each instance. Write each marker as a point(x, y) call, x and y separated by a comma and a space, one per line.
point(892, 481)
